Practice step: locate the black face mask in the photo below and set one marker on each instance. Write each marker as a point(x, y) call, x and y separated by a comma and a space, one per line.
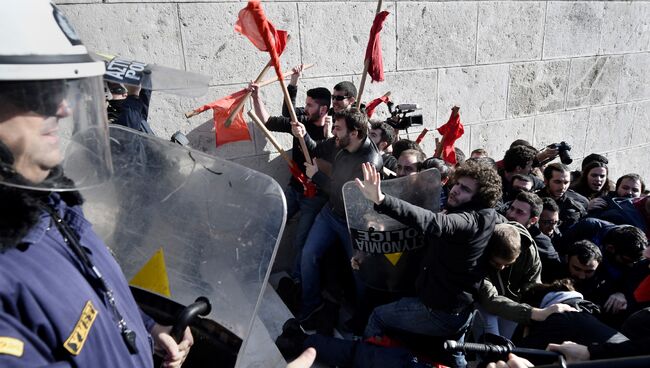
point(116, 106)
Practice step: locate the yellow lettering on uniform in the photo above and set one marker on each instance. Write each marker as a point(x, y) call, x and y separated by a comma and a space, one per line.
point(11, 346)
point(77, 338)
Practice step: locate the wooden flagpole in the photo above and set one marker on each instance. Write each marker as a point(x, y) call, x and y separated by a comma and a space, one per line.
point(366, 65)
point(265, 83)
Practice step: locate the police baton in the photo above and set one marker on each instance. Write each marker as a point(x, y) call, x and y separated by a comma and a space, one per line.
point(502, 351)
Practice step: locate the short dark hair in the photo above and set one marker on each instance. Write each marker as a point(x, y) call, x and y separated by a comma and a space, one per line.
point(505, 242)
point(549, 204)
point(460, 155)
point(436, 163)
point(556, 166)
point(522, 177)
point(347, 87)
point(533, 200)
point(534, 294)
point(403, 145)
point(627, 240)
point(419, 155)
point(321, 95)
point(593, 157)
point(354, 120)
point(633, 176)
point(586, 251)
point(518, 156)
point(387, 131)
point(479, 151)
point(489, 182)
point(520, 142)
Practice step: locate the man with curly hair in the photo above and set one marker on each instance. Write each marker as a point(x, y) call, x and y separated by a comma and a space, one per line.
point(454, 264)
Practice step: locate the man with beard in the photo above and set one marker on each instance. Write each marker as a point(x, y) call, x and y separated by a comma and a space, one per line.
point(622, 247)
point(343, 98)
point(454, 264)
point(316, 107)
point(383, 135)
point(573, 206)
point(518, 160)
point(526, 209)
point(354, 148)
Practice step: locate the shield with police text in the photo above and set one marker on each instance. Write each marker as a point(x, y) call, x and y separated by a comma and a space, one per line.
point(183, 224)
point(388, 252)
point(153, 77)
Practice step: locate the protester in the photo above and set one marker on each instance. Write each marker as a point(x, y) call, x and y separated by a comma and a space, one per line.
point(453, 266)
point(355, 148)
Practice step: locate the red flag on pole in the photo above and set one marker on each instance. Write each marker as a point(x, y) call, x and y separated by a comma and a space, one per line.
point(238, 130)
point(373, 50)
point(308, 186)
point(253, 24)
point(372, 105)
point(451, 131)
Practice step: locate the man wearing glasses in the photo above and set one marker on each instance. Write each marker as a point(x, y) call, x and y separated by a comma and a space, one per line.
point(343, 96)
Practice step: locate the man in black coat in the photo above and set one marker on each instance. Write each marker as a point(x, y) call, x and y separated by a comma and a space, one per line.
point(454, 264)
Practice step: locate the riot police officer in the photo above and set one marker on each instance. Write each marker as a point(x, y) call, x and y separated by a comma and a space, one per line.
point(63, 299)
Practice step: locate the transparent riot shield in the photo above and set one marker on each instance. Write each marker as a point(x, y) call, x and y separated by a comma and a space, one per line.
point(212, 225)
point(389, 252)
point(153, 77)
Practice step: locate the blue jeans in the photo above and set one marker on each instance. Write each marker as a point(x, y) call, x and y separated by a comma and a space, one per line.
point(410, 315)
point(326, 229)
point(309, 209)
point(489, 323)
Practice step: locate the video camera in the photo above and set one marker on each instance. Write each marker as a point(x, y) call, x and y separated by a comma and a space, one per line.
point(563, 150)
point(398, 119)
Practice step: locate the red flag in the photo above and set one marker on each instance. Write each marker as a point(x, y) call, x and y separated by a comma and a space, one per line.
point(450, 132)
point(372, 105)
point(253, 24)
point(373, 50)
point(238, 129)
point(308, 186)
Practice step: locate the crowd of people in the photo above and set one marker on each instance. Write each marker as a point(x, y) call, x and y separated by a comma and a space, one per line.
point(522, 247)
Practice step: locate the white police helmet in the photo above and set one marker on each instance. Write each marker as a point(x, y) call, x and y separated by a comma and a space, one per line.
point(52, 106)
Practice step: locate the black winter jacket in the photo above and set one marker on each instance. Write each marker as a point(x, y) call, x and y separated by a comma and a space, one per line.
point(454, 264)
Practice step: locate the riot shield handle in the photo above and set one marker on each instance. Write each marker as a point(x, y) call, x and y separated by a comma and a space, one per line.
point(201, 307)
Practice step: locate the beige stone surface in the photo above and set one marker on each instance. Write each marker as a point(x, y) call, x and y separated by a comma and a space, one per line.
point(509, 31)
point(480, 92)
point(593, 81)
point(572, 28)
point(433, 34)
point(537, 87)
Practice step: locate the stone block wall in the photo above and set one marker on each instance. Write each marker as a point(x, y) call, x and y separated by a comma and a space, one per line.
point(545, 71)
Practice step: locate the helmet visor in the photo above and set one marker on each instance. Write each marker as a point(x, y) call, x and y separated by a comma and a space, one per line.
point(56, 134)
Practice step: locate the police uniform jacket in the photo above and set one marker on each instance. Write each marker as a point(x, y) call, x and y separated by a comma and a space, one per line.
point(50, 313)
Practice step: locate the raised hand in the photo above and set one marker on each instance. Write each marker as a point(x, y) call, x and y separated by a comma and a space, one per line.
point(371, 185)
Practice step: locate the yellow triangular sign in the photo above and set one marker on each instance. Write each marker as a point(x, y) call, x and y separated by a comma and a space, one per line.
point(153, 275)
point(393, 257)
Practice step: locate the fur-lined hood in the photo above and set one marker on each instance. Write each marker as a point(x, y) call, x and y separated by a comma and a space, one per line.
point(19, 208)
